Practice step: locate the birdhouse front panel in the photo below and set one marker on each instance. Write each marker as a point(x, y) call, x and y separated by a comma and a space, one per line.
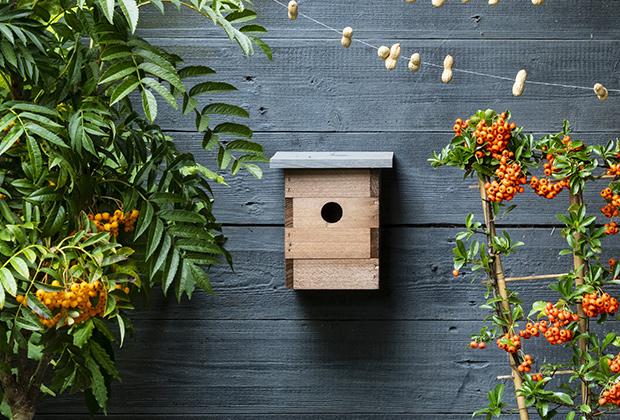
point(331, 223)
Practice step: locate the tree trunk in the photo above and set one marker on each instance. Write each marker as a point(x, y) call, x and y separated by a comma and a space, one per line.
point(22, 411)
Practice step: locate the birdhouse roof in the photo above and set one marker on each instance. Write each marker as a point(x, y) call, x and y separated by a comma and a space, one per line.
point(331, 160)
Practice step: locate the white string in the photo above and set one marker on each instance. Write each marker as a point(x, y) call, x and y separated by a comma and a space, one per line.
point(476, 73)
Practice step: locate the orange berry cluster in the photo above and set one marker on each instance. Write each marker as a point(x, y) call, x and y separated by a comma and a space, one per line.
point(526, 364)
point(612, 263)
point(76, 296)
point(478, 345)
point(614, 169)
point(495, 137)
point(611, 228)
point(611, 395)
point(613, 201)
point(545, 187)
point(594, 305)
point(509, 343)
point(106, 222)
point(511, 180)
point(553, 329)
point(614, 364)
point(558, 318)
point(459, 126)
point(537, 377)
point(531, 330)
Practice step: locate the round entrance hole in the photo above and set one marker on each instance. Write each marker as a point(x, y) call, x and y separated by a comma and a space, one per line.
point(331, 212)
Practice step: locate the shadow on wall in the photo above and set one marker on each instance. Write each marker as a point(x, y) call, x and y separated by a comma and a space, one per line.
point(353, 340)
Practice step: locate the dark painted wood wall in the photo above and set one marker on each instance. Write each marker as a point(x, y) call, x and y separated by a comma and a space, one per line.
point(259, 350)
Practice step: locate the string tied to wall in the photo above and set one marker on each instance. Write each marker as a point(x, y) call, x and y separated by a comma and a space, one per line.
point(390, 55)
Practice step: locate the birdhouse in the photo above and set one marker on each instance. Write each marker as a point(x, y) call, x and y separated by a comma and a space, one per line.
point(331, 218)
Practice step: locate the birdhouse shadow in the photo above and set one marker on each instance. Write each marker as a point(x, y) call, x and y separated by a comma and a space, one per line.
point(361, 317)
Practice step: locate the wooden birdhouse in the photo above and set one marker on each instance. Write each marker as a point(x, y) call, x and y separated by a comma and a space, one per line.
point(331, 218)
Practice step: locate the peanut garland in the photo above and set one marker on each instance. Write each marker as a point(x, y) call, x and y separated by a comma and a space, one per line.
point(448, 62)
point(390, 56)
point(347, 36)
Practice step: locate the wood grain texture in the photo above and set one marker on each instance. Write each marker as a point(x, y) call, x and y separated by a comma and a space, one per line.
point(413, 193)
point(327, 183)
point(320, 243)
point(342, 274)
point(302, 367)
point(315, 86)
point(417, 282)
point(356, 212)
point(596, 19)
point(257, 350)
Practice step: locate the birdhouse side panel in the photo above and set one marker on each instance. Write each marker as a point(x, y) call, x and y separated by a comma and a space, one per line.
point(355, 212)
point(330, 183)
point(336, 274)
point(317, 243)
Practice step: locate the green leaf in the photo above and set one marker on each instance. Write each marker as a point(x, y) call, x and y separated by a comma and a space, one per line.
point(234, 129)
point(195, 71)
point(149, 105)
point(171, 269)
point(144, 220)
point(11, 137)
point(28, 324)
point(254, 170)
point(211, 87)
point(201, 278)
point(107, 7)
point(565, 398)
point(97, 381)
point(117, 71)
point(34, 155)
point(103, 359)
point(157, 229)
point(265, 48)
point(245, 146)
point(82, 333)
point(124, 89)
point(20, 266)
point(131, 12)
point(8, 281)
point(226, 109)
point(121, 329)
point(164, 74)
point(161, 90)
point(45, 134)
point(182, 216)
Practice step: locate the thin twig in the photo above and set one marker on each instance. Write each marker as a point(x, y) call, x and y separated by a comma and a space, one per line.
point(557, 372)
point(537, 277)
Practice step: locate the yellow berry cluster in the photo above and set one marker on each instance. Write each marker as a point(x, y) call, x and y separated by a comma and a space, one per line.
point(88, 299)
point(106, 222)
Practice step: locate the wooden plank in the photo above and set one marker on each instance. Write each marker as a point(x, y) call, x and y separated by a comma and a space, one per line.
point(337, 97)
point(303, 367)
point(356, 274)
point(334, 242)
point(375, 183)
point(288, 212)
point(288, 273)
point(327, 183)
point(508, 20)
point(357, 212)
point(414, 192)
point(416, 283)
point(331, 160)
